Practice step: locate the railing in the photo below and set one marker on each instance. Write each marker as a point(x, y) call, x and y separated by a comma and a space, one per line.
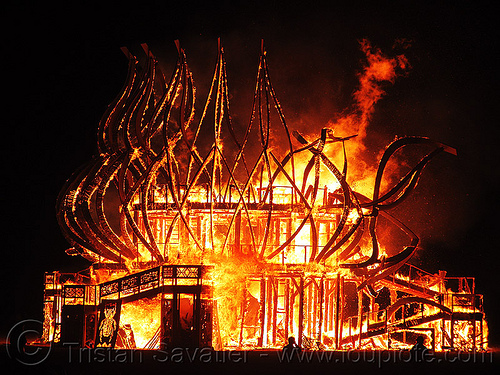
point(465, 285)
point(416, 276)
point(408, 318)
point(131, 285)
point(467, 302)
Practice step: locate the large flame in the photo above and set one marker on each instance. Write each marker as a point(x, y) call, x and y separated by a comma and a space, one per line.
point(286, 221)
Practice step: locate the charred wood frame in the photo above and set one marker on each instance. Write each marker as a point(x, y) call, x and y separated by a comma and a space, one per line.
point(237, 238)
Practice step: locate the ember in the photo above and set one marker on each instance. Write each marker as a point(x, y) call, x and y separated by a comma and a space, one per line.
point(203, 235)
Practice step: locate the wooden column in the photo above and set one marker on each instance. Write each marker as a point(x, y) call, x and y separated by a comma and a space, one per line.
point(321, 306)
point(274, 308)
point(337, 312)
point(289, 230)
point(328, 305)
point(269, 309)
point(311, 309)
point(360, 316)
point(262, 311)
point(301, 310)
point(341, 310)
point(287, 307)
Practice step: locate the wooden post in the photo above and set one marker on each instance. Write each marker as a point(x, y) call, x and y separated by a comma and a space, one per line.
point(287, 306)
point(360, 316)
point(269, 308)
point(474, 330)
point(337, 312)
point(260, 182)
point(262, 311)
point(341, 299)
point(387, 330)
point(274, 292)
point(452, 332)
point(328, 306)
point(320, 323)
point(482, 333)
point(301, 310)
point(307, 308)
point(312, 303)
point(443, 328)
point(373, 314)
point(289, 230)
point(353, 340)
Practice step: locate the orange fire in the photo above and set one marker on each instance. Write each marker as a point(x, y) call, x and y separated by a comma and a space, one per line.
point(202, 238)
point(142, 319)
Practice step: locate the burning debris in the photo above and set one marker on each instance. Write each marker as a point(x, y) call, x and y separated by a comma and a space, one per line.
point(204, 235)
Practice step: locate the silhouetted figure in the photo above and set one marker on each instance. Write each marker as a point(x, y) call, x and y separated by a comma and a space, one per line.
point(419, 349)
point(291, 348)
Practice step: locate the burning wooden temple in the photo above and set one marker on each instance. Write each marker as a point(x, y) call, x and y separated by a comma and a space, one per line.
point(201, 234)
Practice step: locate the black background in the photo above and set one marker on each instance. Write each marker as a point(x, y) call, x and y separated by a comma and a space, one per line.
point(62, 65)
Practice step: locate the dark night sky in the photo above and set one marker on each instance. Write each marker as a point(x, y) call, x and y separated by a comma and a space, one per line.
point(64, 65)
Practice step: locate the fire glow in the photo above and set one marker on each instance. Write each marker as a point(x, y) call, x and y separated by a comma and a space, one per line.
point(204, 235)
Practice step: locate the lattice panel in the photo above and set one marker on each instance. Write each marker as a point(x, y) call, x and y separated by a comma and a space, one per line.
point(109, 288)
point(188, 272)
point(149, 277)
point(72, 291)
point(463, 335)
point(168, 272)
point(49, 279)
point(129, 284)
